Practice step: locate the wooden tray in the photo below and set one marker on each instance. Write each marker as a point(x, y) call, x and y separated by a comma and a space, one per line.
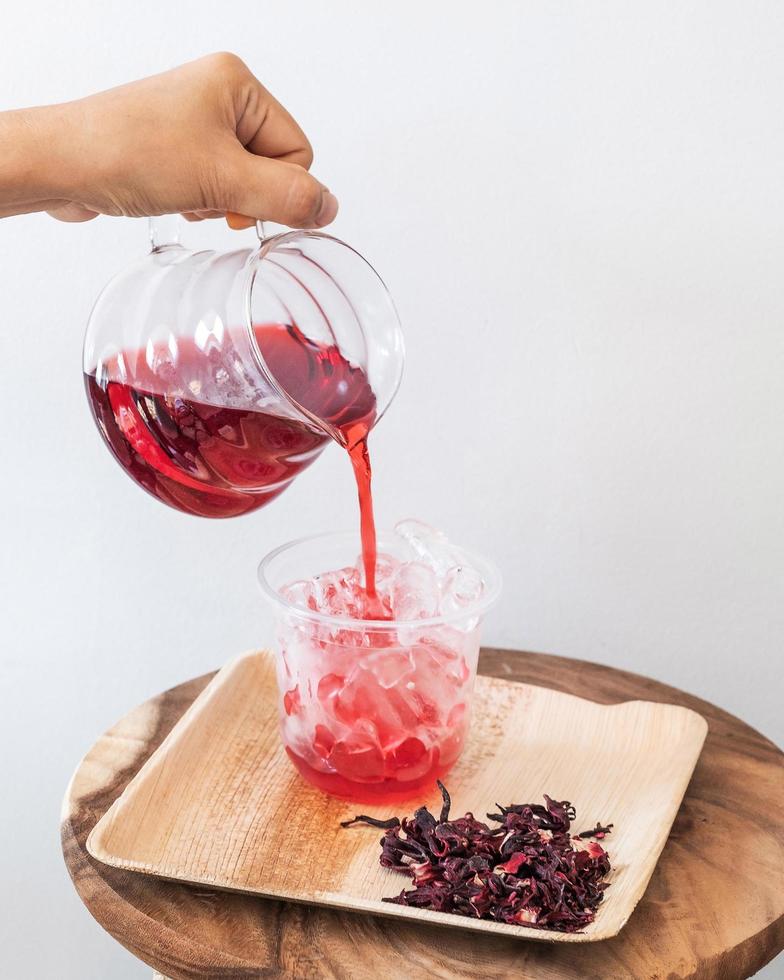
point(218, 803)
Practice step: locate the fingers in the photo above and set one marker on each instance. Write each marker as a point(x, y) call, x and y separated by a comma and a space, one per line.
point(268, 129)
point(275, 190)
point(201, 214)
point(274, 133)
point(70, 211)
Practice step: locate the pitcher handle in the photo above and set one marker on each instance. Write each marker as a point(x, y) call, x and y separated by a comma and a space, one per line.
point(164, 230)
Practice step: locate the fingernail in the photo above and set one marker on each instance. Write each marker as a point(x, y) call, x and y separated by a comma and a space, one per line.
point(328, 209)
point(238, 222)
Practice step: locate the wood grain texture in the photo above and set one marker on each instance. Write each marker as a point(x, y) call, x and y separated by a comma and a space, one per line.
point(219, 804)
point(714, 906)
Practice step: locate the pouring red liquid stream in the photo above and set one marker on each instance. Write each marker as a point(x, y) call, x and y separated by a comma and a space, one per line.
point(360, 460)
point(213, 460)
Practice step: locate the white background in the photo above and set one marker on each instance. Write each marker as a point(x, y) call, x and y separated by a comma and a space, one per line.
point(579, 211)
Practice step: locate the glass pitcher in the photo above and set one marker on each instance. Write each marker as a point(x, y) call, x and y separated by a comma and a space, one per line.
point(216, 377)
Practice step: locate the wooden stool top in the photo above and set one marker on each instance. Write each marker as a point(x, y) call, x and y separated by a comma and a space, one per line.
point(714, 906)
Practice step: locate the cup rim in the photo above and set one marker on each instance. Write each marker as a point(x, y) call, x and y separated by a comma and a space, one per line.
point(489, 571)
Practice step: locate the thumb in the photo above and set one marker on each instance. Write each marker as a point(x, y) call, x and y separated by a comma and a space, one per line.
point(274, 190)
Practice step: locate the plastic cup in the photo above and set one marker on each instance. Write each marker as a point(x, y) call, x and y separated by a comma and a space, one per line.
point(371, 710)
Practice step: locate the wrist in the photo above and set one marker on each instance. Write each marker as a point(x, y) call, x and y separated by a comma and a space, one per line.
point(40, 157)
point(60, 150)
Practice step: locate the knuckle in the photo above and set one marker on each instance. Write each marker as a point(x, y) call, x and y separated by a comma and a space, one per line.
point(307, 154)
point(303, 198)
point(226, 62)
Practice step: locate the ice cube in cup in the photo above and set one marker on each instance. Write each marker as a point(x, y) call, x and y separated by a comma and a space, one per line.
point(415, 592)
point(427, 545)
point(461, 590)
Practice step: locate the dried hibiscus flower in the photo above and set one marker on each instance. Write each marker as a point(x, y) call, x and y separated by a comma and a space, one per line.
point(529, 870)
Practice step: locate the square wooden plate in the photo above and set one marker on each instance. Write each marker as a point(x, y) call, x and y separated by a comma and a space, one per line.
point(219, 804)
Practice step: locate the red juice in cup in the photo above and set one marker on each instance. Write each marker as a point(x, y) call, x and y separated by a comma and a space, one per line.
point(375, 692)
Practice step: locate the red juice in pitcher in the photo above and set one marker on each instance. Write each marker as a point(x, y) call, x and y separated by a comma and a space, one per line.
point(222, 458)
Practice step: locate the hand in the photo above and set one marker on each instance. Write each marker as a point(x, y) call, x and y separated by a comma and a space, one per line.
point(205, 139)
